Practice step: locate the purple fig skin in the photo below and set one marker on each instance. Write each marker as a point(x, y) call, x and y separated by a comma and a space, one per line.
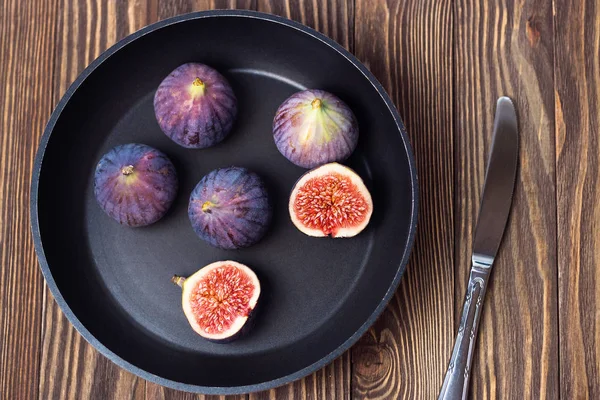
point(230, 208)
point(135, 184)
point(195, 106)
point(314, 127)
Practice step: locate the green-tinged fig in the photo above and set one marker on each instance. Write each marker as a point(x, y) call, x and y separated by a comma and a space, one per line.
point(195, 106)
point(230, 208)
point(331, 200)
point(219, 299)
point(135, 184)
point(314, 127)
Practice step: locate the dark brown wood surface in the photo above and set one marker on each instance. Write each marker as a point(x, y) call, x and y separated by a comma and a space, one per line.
point(577, 118)
point(408, 46)
point(444, 63)
point(508, 50)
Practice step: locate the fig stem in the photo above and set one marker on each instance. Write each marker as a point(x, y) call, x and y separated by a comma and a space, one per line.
point(127, 170)
point(316, 103)
point(178, 280)
point(206, 206)
point(198, 82)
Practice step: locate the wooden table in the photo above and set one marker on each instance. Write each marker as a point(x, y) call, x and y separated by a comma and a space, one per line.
point(444, 63)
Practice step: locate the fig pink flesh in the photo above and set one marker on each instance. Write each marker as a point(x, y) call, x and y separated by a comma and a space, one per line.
point(331, 200)
point(221, 297)
point(329, 203)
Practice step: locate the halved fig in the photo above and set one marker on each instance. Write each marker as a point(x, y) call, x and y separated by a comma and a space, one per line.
point(331, 200)
point(219, 299)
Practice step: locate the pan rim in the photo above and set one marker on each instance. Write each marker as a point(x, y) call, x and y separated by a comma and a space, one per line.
point(219, 390)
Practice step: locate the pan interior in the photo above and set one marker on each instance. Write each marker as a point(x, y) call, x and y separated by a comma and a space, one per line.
point(316, 292)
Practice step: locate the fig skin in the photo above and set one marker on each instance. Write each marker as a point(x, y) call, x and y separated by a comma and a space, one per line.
point(230, 208)
point(135, 184)
point(314, 127)
point(331, 200)
point(195, 106)
point(241, 293)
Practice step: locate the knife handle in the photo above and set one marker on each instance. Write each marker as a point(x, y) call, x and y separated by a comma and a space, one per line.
point(456, 382)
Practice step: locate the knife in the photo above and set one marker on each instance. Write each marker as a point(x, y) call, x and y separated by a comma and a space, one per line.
point(495, 205)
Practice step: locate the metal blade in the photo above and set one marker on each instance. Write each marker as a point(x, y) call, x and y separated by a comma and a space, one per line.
point(499, 183)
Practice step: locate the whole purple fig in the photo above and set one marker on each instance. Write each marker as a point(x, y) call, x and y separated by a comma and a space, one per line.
point(135, 184)
point(314, 127)
point(195, 106)
point(230, 208)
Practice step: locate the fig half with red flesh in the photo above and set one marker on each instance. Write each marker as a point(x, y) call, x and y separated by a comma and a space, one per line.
point(331, 200)
point(219, 298)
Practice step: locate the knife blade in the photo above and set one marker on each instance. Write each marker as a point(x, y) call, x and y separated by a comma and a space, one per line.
point(499, 183)
point(494, 209)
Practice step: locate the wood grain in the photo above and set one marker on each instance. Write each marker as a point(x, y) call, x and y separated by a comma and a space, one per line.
point(157, 392)
point(25, 104)
point(408, 45)
point(335, 19)
point(506, 48)
point(171, 8)
point(444, 63)
point(577, 76)
point(331, 382)
point(70, 367)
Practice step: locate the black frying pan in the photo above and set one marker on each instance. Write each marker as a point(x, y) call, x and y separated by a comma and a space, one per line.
point(112, 282)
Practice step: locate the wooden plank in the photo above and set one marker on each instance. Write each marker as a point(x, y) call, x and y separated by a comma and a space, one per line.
point(506, 48)
point(26, 60)
point(167, 9)
point(577, 83)
point(331, 382)
point(157, 392)
point(334, 18)
point(201, 5)
point(408, 46)
point(70, 367)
